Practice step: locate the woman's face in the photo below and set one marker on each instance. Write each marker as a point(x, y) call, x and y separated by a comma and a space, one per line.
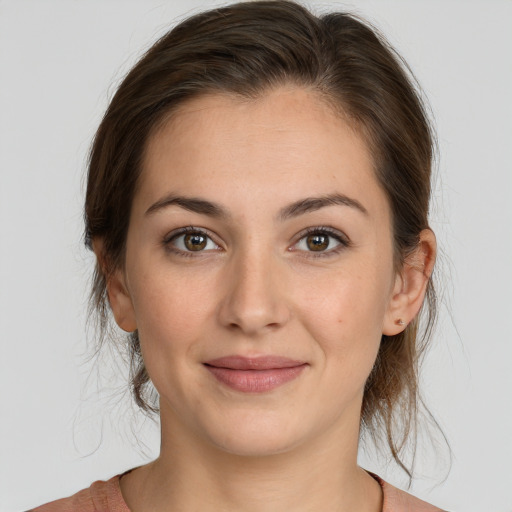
point(258, 272)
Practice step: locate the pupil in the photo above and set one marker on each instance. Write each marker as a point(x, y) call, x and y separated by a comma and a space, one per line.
point(318, 242)
point(195, 242)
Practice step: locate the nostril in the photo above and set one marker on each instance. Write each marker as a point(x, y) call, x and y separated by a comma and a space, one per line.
point(252, 302)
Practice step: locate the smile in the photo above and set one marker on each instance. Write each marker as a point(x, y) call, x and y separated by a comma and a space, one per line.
point(255, 375)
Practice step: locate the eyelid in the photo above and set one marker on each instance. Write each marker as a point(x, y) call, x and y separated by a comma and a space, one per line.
point(342, 238)
point(339, 236)
point(176, 233)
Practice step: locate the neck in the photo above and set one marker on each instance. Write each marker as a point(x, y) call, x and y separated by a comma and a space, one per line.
point(195, 475)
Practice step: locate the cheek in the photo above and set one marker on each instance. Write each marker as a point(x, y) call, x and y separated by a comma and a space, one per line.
point(171, 318)
point(348, 301)
point(344, 313)
point(170, 311)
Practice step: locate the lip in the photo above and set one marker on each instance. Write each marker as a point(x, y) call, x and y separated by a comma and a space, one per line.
point(255, 374)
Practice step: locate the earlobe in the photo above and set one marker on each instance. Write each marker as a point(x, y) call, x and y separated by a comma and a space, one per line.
point(118, 295)
point(411, 285)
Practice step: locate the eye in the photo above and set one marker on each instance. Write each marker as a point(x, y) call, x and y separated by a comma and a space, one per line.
point(321, 240)
point(190, 240)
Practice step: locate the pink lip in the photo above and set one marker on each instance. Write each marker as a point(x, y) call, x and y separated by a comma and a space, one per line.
point(255, 375)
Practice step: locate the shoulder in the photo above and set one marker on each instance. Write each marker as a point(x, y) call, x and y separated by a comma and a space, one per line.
point(104, 496)
point(396, 500)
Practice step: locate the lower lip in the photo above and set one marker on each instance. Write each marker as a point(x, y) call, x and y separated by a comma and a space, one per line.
point(256, 381)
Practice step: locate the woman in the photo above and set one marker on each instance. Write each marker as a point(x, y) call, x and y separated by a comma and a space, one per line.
point(257, 202)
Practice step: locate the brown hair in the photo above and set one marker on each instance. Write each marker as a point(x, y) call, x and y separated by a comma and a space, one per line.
point(245, 49)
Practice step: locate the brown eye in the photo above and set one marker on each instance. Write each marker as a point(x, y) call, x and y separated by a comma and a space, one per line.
point(317, 242)
point(195, 241)
point(322, 240)
point(190, 240)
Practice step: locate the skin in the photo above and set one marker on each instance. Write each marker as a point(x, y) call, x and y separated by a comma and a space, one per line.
point(257, 289)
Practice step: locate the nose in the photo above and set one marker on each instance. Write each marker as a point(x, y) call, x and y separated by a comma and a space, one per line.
point(254, 299)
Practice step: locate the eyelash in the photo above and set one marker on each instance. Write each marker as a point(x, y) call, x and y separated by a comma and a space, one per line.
point(344, 242)
point(181, 232)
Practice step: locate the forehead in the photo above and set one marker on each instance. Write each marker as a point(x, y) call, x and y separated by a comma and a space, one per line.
point(289, 140)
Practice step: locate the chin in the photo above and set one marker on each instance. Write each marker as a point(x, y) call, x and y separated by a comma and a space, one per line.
point(256, 446)
point(258, 437)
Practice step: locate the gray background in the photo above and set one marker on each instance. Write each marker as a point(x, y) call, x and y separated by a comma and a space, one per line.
point(63, 420)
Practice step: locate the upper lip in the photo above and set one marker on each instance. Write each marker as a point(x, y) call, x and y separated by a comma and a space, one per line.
point(254, 363)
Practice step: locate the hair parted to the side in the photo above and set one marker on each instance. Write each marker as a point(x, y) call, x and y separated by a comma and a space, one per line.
point(246, 49)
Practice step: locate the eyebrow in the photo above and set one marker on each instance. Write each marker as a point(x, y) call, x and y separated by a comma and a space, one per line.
point(309, 204)
point(191, 204)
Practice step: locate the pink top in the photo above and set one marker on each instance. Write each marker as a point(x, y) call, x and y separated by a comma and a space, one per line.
point(106, 497)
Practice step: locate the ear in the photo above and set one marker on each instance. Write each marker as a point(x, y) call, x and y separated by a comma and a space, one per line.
point(411, 285)
point(118, 295)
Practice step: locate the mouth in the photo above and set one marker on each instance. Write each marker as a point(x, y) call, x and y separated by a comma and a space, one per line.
point(255, 375)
